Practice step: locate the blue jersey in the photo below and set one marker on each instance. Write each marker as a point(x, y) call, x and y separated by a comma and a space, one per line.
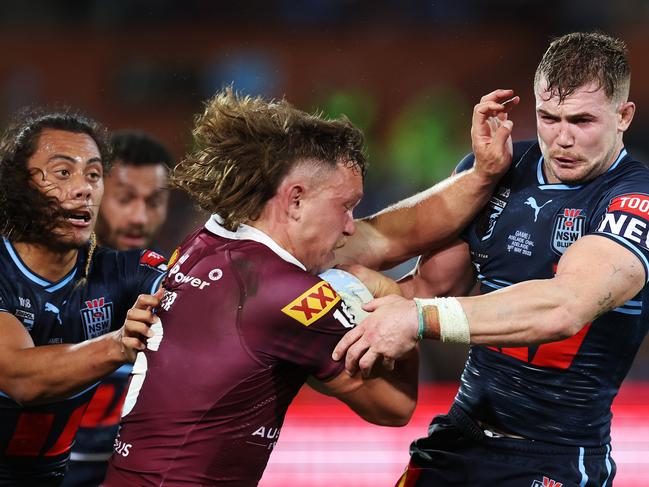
point(98, 427)
point(558, 392)
point(37, 439)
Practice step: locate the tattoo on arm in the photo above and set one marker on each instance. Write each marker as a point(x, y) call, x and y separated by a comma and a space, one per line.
point(605, 305)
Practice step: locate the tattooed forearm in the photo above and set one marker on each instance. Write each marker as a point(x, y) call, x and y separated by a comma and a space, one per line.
point(604, 305)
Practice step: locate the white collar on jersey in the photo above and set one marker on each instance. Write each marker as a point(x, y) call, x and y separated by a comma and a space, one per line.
point(246, 232)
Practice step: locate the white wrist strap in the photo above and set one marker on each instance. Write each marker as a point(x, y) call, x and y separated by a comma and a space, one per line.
point(453, 323)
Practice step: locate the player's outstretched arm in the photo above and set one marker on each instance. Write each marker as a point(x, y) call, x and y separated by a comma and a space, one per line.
point(433, 218)
point(32, 375)
point(387, 399)
point(594, 276)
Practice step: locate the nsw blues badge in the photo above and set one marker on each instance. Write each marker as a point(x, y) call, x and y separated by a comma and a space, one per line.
point(96, 317)
point(568, 227)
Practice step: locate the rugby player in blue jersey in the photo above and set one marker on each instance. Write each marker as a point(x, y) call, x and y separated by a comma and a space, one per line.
point(561, 256)
point(62, 298)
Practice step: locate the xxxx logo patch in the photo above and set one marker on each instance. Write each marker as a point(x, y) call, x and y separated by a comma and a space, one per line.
point(313, 304)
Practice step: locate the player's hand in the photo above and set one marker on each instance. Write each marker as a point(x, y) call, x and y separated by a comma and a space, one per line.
point(386, 335)
point(136, 330)
point(378, 284)
point(491, 133)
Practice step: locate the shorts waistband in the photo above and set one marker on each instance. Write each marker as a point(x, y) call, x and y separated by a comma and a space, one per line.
point(470, 428)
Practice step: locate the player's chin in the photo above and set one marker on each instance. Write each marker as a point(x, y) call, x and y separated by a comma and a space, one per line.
point(75, 239)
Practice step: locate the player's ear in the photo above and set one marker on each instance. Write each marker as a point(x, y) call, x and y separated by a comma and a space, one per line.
point(626, 112)
point(294, 201)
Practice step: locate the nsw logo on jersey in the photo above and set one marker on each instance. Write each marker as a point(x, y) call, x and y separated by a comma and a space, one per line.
point(312, 304)
point(628, 217)
point(568, 227)
point(547, 482)
point(97, 317)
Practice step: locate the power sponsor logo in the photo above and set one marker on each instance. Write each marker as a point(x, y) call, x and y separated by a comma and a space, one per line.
point(154, 260)
point(627, 216)
point(97, 317)
point(180, 278)
point(568, 227)
point(313, 304)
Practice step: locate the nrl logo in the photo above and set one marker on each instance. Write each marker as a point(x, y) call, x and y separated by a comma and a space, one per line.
point(97, 317)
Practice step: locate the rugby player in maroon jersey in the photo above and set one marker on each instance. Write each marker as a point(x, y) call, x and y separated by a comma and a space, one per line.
point(245, 321)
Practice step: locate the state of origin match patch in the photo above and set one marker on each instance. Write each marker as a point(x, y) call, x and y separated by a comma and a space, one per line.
point(312, 304)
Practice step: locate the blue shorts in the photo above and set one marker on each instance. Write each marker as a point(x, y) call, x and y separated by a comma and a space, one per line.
point(85, 474)
point(457, 452)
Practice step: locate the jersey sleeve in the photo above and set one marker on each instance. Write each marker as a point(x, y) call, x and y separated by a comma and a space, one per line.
point(139, 272)
point(465, 164)
point(622, 215)
point(307, 318)
point(143, 270)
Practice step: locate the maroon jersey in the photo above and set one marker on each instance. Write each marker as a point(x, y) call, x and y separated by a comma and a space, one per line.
point(242, 326)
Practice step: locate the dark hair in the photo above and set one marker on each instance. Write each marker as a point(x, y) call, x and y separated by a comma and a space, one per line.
point(576, 59)
point(26, 214)
point(244, 146)
point(139, 149)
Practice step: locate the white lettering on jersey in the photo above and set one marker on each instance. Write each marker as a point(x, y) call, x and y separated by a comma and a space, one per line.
point(180, 278)
point(168, 299)
point(634, 203)
point(347, 319)
point(122, 448)
point(625, 226)
point(269, 433)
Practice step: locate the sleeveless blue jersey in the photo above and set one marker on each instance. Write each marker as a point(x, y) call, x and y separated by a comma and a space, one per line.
point(557, 392)
point(37, 439)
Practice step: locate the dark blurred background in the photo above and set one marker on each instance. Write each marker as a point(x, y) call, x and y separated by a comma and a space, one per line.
point(408, 72)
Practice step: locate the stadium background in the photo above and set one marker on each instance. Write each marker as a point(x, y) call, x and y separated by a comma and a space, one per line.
point(408, 72)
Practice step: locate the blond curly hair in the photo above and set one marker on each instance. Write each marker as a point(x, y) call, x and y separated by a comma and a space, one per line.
point(244, 146)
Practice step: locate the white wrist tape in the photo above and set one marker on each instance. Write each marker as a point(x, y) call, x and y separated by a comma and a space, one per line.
point(453, 323)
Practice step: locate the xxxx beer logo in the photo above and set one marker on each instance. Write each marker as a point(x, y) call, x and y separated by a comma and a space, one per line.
point(313, 304)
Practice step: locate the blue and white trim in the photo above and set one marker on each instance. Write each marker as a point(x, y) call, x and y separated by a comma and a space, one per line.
point(494, 283)
point(48, 285)
point(630, 308)
point(633, 248)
